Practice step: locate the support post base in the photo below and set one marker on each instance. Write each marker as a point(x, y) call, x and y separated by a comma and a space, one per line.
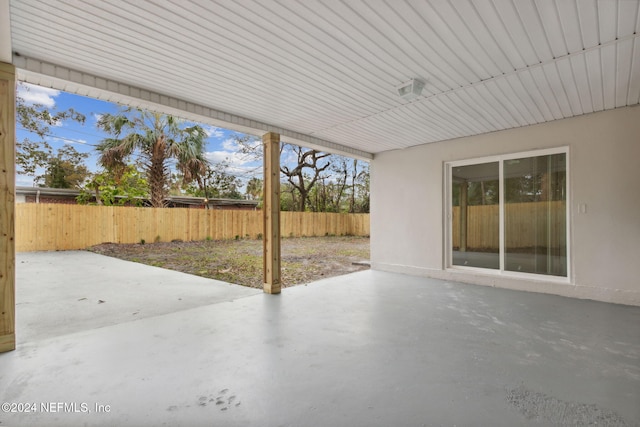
point(7, 343)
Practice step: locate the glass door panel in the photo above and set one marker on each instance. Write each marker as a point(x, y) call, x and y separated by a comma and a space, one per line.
point(476, 215)
point(535, 215)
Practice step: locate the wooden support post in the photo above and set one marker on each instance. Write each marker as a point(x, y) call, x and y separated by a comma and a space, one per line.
point(7, 206)
point(271, 213)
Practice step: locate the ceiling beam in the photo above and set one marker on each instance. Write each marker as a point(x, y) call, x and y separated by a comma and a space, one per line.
point(42, 73)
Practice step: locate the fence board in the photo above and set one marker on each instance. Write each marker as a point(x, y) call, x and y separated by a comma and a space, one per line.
point(42, 227)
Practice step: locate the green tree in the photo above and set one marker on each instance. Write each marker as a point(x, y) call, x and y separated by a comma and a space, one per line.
point(158, 140)
point(307, 160)
point(38, 119)
point(361, 188)
point(255, 188)
point(34, 156)
point(31, 158)
point(66, 169)
point(345, 189)
point(216, 182)
point(288, 197)
point(109, 189)
point(314, 180)
point(302, 172)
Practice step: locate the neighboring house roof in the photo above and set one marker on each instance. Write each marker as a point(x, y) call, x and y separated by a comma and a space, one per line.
point(43, 191)
point(71, 194)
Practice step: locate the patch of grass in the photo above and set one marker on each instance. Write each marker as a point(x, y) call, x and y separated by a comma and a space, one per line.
point(360, 253)
point(240, 261)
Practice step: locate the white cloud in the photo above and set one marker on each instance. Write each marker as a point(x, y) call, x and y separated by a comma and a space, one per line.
point(289, 157)
point(232, 157)
point(229, 144)
point(97, 117)
point(213, 131)
point(240, 164)
point(33, 94)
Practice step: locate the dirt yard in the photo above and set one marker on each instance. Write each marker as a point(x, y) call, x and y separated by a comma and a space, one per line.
point(240, 261)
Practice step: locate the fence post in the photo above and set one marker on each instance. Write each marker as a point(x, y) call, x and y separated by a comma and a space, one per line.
point(271, 213)
point(7, 207)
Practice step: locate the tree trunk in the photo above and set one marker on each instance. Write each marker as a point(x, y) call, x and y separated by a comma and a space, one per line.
point(157, 176)
point(97, 190)
point(303, 200)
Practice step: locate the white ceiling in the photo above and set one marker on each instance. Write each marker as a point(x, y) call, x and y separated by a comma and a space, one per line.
point(324, 72)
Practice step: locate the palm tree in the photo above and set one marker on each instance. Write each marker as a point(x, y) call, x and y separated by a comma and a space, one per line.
point(254, 188)
point(158, 140)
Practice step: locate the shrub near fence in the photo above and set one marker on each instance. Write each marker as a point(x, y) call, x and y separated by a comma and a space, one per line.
point(43, 227)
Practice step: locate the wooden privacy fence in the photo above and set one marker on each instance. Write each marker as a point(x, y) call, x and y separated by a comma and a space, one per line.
point(43, 227)
point(527, 225)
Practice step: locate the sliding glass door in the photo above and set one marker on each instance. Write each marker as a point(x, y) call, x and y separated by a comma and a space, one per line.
point(509, 213)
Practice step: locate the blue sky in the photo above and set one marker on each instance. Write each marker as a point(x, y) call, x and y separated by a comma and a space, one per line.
point(83, 138)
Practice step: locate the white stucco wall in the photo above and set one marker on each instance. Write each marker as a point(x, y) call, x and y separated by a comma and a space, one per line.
point(407, 218)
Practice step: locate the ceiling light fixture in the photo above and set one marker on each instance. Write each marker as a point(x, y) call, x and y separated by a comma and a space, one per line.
point(411, 89)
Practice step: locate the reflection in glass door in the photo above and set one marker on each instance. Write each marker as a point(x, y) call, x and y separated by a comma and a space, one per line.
point(535, 215)
point(476, 224)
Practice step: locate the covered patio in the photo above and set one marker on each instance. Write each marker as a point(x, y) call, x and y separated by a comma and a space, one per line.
point(166, 348)
point(544, 92)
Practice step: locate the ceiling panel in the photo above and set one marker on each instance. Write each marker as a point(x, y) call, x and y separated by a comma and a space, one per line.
point(578, 74)
point(534, 28)
point(588, 18)
point(458, 114)
point(326, 71)
point(594, 72)
point(525, 99)
point(608, 65)
point(513, 23)
point(607, 20)
point(569, 82)
point(623, 71)
point(627, 17)
point(634, 75)
point(570, 25)
point(515, 104)
point(509, 47)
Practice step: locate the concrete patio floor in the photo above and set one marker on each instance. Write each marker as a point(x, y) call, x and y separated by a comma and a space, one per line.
point(365, 349)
